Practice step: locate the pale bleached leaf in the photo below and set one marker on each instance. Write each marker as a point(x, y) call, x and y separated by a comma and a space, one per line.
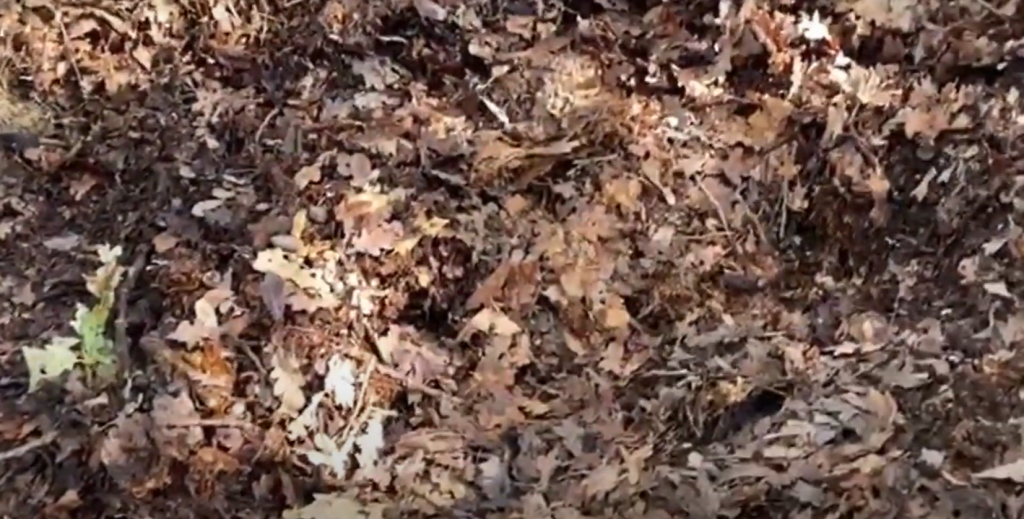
point(371, 442)
point(998, 288)
point(1013, 471)
point(49, 362)
point(340, 381)
point(288, 382)
point(332, 506)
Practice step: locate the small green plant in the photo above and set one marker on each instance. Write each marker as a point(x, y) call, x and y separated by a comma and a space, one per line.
point(90, 348)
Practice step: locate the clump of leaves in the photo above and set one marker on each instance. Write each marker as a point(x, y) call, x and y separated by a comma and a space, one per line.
point(90, 347)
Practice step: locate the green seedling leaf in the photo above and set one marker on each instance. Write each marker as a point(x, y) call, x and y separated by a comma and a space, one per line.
point(91, 322)
point(91, 325)
point(49, 362)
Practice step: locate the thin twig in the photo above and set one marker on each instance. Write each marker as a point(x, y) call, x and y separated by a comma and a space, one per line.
point(67, 45)
point(28, 446)
point(718, 206)
point(412, 385)
point(121, 349)
point(262, 128)
point(211, 422)
point(357, 420)
point(666, 373)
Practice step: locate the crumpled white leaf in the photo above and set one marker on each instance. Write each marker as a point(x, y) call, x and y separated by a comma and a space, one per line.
point(1013, 471)
point(329, 454)
point(998, 288)
point(205, 206)
point(371, 441)
point(307, 418)
point(50, 361)
point(288, 382)
point(340, 381)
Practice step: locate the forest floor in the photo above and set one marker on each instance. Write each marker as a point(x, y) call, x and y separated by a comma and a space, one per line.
point(512, 259)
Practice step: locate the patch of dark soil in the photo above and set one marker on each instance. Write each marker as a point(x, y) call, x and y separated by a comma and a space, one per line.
point(972, 418)
point(436, 53)
point(760, 403)
point(753, 74)
point(436, 309)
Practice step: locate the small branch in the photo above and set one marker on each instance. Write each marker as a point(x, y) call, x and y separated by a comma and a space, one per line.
point(28, 446)
point(212, 422)
point(121, 349)
point(718, 206)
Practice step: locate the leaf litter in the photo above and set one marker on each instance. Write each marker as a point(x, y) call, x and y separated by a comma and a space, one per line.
point(565, 259)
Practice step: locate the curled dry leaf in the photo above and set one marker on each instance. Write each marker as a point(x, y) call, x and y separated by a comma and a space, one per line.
point(206, 206)
point(378, 239)
point(164, 242)
point(490, 320)
point(431, 10)
point(307, 175)
point(357, 167)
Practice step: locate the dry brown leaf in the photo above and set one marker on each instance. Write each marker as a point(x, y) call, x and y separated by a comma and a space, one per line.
point(766, 126)
point(897, 14)
point(491, 288)
point(361, 205)
point(602, 480)
point(307, 175)
point(175, 430)
point(79, 188)
point(489, 319)
point(615, 314)
point(430, 10)
point(378, 239)
point(357, 167)
point(164, 242)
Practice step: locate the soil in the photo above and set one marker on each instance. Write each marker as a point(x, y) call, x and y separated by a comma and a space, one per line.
point(581, 259)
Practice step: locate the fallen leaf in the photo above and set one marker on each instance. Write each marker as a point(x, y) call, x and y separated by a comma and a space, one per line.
point(998, 288)
point(601, 480)
point(340, 381)
point(79, 188)
point(307, 175)
point(430, 10)
point(49, 362)
point(164, 242)
point(357, 166)
point(328, 454)
point(1013, 471)
point(206, 206)
point(272, 292)
point(63, 243)
point(371, 442)
point(489, 319)
point(330, 506)
point(288, 382)
point(378, 239)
